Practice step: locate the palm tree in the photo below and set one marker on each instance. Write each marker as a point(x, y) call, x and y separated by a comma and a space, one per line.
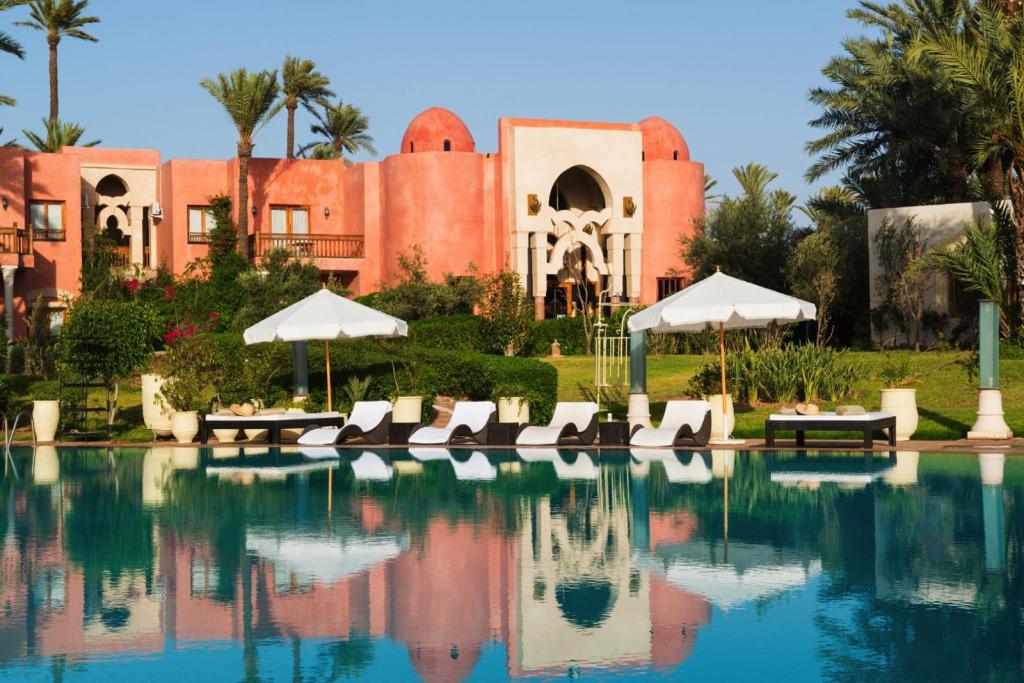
point(977, 263)
point(987, 64)
point(342, 128)
point(302, 84)
point(58, 135)
point(9, 45)
point(57, 19)
point(248, 98)
point(9, 143)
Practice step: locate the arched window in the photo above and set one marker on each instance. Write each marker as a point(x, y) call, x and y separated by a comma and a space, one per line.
point(412, 146)
point(675, 155)
point(447, 145)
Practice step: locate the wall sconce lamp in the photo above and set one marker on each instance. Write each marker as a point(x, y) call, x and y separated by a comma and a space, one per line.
point(327, 212)
point(3, 202)
point(253, 209)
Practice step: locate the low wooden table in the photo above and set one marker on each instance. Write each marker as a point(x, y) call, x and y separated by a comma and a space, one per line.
point(273, 426)
point(867, 424)
point(613, 433)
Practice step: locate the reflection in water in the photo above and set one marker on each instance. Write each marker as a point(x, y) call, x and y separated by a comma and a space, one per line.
point(441, 564)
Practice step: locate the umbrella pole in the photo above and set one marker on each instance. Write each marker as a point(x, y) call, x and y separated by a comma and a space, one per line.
point(327, 348)
point(725, 402)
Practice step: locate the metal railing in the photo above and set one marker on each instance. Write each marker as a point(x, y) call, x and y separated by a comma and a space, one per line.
point(15, 240)
point(311, 245)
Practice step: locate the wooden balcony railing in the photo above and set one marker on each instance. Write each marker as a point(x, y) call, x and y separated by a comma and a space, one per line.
point(198, 238)
point(15, 240)
point(310, 245)
point(48, 235)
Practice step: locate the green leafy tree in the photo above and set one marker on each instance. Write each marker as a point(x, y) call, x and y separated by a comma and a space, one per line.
point(301, 84)
point(750, 237)
point(59, 19)
point(507, 313)
point(813, 275)
point(342, 129)
point(414, 296)
point(9, 45)
point(280, 281)
point(893, 122)
point(986, 63)
point(903, 278)
point(58, 135)
point(248, 98)
point(193, 365)
point(109, 341)
point(978, 264)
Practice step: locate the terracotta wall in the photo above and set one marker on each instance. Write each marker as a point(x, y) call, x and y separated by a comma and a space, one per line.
point(436, 200)
point(184, 183)
point(673, 199)
point(297, 182)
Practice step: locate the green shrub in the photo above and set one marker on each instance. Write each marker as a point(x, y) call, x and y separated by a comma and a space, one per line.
point(568, 332)
point(782, 375)
point(452, 332)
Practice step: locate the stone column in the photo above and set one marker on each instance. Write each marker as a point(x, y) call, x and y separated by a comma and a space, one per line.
point(154, 257)
point(539, 276)
point(135, 218)
point(633, 247)
point(8, 274)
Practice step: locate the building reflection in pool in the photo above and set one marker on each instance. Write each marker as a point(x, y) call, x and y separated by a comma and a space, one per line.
point(566, 560)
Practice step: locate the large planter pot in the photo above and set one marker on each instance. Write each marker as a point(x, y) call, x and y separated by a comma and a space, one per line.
point(903, 404)
point(514, 409)
point(156, 412)
point(45, 419)
point(258, 435)
point(407, 410)
point(225, 435)
point(716, 415)
point(45, 466)
point(292, 435)
point(185, 426)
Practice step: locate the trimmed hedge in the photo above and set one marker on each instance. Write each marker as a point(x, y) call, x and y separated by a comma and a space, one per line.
point(568, 332)
point(451, 333)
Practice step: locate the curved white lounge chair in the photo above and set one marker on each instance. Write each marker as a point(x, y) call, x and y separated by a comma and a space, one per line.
point(695, 472)
point(469, 421)
point(572, 422)
point(568, 466)
point(369, 422)
point(684, 423)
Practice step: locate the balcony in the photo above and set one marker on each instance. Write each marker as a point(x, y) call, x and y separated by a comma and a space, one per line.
point(315, 246)
point(15, 241)
point(48, 235)
point(198, 238)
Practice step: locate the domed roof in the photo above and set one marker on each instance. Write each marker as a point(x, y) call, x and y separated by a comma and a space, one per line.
point(663, 141)
point(429, 130)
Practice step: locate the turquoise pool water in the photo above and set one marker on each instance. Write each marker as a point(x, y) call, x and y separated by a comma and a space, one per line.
point(175, 564)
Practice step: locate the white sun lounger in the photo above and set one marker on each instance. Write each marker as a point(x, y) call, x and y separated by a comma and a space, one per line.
point(581, 467)
point(695, 472)
point(572, 422)
point(369, 422)
point(685, 423)
point(469, 421)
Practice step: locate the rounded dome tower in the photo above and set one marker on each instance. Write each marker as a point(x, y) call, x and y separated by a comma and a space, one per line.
point(662, 141)
point(437, 130)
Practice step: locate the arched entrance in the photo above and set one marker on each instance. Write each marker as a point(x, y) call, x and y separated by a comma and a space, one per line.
point(578, 197)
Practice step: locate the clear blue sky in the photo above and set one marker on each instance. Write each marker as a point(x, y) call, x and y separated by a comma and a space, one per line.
point(733, 76)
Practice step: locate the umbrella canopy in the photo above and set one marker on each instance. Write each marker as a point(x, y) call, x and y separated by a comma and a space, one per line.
point(721, 300)
point(726, 303)
point(327, 316)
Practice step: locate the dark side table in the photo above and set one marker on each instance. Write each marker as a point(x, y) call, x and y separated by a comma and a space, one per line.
point(503, 433)
point(398, 433)
point(613, 433)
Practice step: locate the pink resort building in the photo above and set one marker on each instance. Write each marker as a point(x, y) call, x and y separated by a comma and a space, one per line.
point(564, 203)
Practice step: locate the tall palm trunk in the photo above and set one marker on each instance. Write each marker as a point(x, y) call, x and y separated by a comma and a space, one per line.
point(244, 155)
point(291, 129)
point(52, 40)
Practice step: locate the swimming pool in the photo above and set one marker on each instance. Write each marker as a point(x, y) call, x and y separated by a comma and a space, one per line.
point(229, 564)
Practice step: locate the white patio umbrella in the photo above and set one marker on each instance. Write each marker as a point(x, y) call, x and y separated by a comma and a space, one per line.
point(727, 302)
point(327, 316)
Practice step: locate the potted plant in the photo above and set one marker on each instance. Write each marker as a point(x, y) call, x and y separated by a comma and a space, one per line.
point(190, 365)
point(899, 397)
point(156, 412)
point(513, 402)
point(406, 408)
point(45, 414)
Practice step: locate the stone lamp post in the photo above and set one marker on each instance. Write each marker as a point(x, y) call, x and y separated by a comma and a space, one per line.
point(990, 423)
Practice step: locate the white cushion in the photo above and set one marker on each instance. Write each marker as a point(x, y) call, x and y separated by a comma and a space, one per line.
point(371, 467)
point(321, 436)
point(431, 435)
point(679, 413)
point(368, 415)
point(651, 437)
point(877, 415)
point(538, 436)
point(576, 413)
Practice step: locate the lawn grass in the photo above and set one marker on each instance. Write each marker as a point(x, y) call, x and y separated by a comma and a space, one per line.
point(946, 398)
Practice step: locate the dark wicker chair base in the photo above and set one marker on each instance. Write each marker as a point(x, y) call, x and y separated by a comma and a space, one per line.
point(377, 435)
point(463, 434)
point(571, 436)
